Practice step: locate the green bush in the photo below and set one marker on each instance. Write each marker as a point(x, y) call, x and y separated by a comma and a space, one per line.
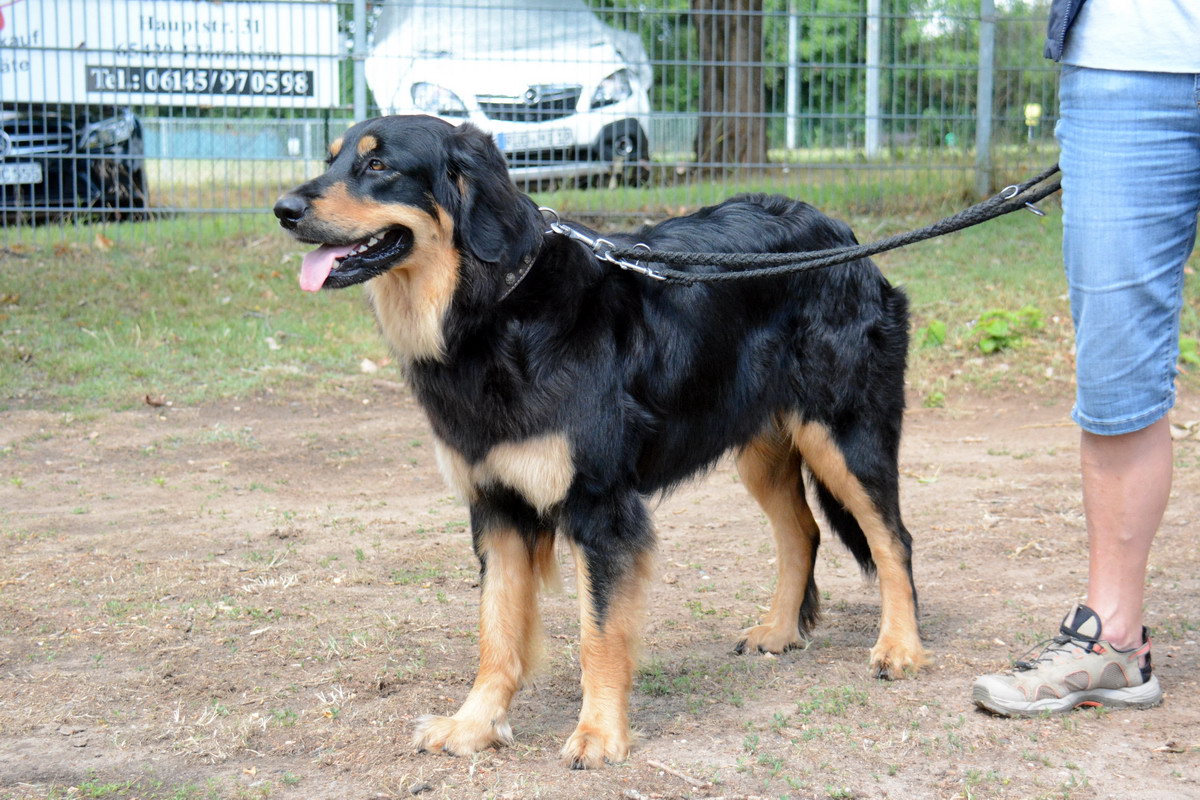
point(931, 335)
point(1189, 350)
point(1000, 329)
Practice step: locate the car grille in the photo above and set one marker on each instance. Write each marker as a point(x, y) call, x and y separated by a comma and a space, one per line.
point(33, 135)
point(541, 158)
point(538, 104)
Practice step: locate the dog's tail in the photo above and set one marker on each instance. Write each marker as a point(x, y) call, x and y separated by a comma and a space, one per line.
point(845, 526)
point(851, 534)
point(545, 564)
point(869, 435)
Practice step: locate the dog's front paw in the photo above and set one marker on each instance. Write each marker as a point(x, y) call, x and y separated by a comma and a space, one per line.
point(897, 658)
point(460, 737)
point(590, 746)
point(769, 639)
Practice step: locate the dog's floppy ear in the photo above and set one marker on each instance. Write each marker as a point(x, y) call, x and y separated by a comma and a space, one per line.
point(492, 220)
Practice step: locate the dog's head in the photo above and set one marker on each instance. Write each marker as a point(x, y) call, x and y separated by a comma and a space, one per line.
point(397, 187)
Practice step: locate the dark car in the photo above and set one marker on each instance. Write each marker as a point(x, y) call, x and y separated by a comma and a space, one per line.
point(63, 160)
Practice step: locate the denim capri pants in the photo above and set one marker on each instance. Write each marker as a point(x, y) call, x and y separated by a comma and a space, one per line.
point(1130, 160)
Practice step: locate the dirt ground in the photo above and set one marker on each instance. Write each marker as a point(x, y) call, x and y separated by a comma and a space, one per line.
point(256, 599)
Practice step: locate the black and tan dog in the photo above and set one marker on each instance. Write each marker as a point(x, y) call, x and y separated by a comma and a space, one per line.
point(563, 392)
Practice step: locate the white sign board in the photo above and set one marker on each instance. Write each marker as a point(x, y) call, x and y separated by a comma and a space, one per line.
point(278, 53)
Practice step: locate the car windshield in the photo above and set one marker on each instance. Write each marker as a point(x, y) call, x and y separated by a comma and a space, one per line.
point(431, 28)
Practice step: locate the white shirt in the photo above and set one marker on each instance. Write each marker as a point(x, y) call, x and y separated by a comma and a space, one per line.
point(1136, 35)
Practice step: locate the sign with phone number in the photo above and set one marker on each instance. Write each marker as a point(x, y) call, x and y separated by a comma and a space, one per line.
point(197, 81)
point(250, 53)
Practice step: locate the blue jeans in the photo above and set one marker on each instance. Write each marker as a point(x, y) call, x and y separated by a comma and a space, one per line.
point(1130, 160)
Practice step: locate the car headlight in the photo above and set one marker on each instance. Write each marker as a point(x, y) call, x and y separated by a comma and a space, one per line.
point(108, 132)
point(613, 89)
point(438, 100)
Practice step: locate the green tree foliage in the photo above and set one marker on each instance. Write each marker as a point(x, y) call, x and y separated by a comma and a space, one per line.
point(929, 66)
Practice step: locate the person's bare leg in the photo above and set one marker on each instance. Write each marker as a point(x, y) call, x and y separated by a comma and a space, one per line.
point(1126, 483)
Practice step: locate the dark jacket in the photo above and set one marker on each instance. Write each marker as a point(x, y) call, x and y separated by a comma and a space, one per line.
point(1062, 16)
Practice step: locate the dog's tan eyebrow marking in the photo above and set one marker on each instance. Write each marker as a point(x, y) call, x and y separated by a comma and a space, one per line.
point(366, 144)
point(336, 147)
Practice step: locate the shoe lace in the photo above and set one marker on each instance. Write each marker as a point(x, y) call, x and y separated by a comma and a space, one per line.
point(1049, 649)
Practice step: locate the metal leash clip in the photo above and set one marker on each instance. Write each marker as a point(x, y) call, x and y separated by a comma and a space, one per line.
point(600, 247)
point(1009, 192)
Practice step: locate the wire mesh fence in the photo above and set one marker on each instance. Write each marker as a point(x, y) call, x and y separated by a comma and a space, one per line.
point(126, 111)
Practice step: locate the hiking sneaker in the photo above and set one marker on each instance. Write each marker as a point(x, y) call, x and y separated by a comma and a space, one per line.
point(1075, 668)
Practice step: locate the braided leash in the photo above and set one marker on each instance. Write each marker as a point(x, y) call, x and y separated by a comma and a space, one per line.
point(765, 265)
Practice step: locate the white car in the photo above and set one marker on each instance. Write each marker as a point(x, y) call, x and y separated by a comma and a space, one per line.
point(563, 94)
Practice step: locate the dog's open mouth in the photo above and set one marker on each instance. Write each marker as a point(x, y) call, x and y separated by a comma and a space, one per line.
point(336, 266)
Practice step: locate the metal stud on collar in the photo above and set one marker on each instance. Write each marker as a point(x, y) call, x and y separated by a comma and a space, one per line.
point(513, 279)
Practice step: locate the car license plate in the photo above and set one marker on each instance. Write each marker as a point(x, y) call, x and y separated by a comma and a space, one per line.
point(11, 174)
point(538, 139)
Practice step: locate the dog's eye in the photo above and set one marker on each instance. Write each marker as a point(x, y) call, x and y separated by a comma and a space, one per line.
point(376, 164)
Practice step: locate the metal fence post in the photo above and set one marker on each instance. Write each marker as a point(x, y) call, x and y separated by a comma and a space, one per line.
point(984, 97)
point(360, 53)
point(873, 69)
point(792, 83)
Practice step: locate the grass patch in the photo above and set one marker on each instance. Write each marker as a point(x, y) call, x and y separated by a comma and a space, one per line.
point(656, 680)
point(989, 305)
point(839, 181)
point(175, 311)
point(199, 309)
point(152, 788)
point(417, 576)
point(832, 701)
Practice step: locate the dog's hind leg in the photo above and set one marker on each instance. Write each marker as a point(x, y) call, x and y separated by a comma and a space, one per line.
point(509, 638)
point(868, 489)
point(612, 543)
point(771, 469)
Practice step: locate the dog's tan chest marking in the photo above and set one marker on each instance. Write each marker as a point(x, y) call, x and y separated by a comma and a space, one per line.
point(540, 469)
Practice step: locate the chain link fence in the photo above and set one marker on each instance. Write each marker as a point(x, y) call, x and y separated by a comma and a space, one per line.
point(118, 111)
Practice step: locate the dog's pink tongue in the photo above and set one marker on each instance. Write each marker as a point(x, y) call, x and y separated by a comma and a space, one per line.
point(319, 263)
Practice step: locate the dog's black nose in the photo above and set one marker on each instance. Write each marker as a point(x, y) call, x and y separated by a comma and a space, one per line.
point(290, 209)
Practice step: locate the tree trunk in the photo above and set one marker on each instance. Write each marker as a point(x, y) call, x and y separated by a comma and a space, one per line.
point(733, 128)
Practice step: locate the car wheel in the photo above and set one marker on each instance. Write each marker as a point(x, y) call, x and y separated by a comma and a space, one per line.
point(123, 194)
point(626, 148)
